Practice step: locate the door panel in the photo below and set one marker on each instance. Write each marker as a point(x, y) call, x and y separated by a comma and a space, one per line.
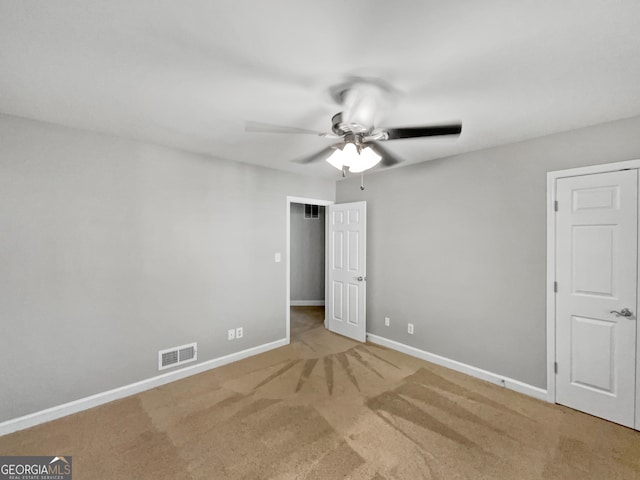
point(354, 244)
point(337, 257)
point(592, 359)
point(593, 257)
point(337, 304)
point(347, 270)
point(354, 315)
point(596, 270)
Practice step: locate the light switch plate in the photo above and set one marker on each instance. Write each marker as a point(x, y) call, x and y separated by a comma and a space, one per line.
point(278, 257)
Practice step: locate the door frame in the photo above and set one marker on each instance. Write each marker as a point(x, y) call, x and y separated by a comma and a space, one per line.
point(552, 178)
point(310, 201)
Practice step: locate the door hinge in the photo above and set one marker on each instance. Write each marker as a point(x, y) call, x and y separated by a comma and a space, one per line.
point(555, 367)
point(555, 205)
point(555, 287)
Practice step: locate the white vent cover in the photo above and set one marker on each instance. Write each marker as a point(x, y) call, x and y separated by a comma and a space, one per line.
point(175, 356)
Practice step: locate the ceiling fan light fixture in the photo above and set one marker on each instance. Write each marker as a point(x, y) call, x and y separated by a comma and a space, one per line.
point(349, 154)
point(344, 157)
point(367, 159)
point(349, 157)
point(336, 159)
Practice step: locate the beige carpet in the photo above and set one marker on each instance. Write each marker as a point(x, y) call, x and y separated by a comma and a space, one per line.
point(325, 407)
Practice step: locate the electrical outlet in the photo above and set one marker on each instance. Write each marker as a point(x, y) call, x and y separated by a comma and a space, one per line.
point(387, 321)
point(239, 332)
point(410, 328)
point(231, 334)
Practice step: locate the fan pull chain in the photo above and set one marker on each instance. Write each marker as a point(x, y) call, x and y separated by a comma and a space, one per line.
point(362, 181)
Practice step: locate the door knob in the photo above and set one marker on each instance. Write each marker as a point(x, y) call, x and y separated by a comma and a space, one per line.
point(625, 312)
point(360, 279)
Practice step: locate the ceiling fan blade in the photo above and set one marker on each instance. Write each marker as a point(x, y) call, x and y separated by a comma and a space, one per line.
point(426, 131)
point(259, 127)
point(388, 159)
point(318, 156)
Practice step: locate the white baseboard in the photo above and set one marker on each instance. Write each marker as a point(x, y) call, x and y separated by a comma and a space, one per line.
point(307, 303)
point(81, 404)
point(506, 382)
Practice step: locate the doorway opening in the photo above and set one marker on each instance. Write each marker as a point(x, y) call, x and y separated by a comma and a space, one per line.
point(306, 265)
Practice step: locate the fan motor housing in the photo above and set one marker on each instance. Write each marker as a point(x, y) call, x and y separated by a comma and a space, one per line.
point(340, 128)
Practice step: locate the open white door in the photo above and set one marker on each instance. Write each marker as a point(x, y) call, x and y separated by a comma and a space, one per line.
point(347, 272)
point(596, 271)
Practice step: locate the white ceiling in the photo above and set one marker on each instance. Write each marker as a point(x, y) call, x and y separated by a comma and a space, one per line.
point(188, 73)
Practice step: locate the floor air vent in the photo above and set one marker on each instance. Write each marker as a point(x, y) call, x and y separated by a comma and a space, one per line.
point(172, 357)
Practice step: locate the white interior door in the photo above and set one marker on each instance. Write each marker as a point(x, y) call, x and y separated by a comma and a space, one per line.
point(596, 271)
point(347, 272)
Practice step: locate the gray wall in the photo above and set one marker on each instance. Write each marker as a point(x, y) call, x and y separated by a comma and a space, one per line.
point(307, 254)
point(111, 250)
point(458, 247)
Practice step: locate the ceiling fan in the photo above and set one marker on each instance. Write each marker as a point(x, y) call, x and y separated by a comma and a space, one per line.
point(360, 148)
